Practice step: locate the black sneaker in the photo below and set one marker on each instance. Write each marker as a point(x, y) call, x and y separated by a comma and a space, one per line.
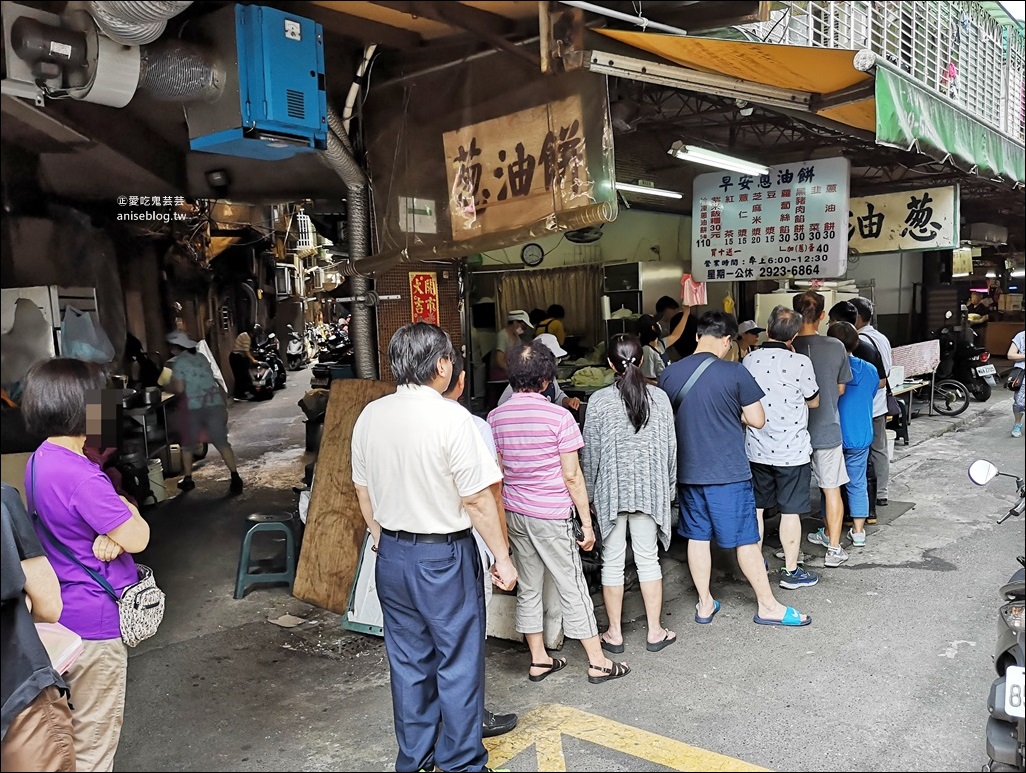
point(186, 484)
point(497, 724)
point(882, 502)
point(236, 486)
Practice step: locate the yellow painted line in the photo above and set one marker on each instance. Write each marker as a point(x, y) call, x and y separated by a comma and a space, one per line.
point(545, 726)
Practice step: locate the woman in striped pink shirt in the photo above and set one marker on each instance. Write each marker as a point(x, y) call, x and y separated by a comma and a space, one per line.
point(537, 444)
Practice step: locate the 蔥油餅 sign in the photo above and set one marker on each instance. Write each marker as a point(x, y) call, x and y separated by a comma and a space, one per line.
point(923, 219)
point(790, 222)
point(517, 169)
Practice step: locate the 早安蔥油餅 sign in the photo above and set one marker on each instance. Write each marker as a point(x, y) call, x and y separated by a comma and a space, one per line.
point(785, 223)
point(923, 219)
point(516, 169)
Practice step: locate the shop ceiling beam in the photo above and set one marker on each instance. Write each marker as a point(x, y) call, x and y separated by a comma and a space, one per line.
point(678, 77)
point(464, 17)
point(710, 14)
point(459, 15)
point(354, 27)
point(124, 134)
point(53, 134)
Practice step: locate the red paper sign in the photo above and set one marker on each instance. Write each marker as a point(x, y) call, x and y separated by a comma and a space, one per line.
point(424, 296)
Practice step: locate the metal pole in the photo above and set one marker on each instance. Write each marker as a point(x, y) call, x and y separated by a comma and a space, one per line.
point(640, 21)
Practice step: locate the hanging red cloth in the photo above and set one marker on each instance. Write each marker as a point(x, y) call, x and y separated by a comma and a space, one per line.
point(692, 293)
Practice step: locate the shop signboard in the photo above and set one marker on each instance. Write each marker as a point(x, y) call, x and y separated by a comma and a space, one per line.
point(923, 219)
point(516, 169)
point(785, 223)
point(424, 296)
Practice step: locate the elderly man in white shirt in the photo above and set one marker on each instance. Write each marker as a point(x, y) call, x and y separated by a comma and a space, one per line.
point(423, 478)
point(881, 461)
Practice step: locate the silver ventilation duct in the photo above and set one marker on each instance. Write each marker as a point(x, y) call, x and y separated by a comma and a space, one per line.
point(135, 23)
point(339, 156)
point(176, 71)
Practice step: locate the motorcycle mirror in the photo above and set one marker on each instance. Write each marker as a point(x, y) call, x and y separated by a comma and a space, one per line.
point(982, 472)
point(948, 315)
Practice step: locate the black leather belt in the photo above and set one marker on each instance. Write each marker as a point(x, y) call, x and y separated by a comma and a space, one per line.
point(410, 536)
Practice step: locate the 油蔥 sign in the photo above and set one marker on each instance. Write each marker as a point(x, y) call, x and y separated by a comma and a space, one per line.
point(923, 219)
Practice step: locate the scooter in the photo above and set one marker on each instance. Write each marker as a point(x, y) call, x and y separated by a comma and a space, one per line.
point(262, 376)
point(296, 350)
point(963, 360)
point(268, 352)
point(1006, 739)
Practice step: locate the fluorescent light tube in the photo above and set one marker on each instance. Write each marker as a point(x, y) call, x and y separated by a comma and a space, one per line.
point(957, 276)
point(698, 155)
point(632, 188)
point(1019, 272)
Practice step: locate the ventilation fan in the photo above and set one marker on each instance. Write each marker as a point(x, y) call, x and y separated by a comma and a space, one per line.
point(585, 235)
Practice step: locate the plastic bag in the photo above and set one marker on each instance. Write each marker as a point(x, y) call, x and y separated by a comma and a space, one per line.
point(83, 339)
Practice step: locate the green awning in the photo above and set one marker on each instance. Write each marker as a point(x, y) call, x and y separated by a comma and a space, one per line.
point(908, 116)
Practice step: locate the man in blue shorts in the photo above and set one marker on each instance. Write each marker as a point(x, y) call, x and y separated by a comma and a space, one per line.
point(712, 401)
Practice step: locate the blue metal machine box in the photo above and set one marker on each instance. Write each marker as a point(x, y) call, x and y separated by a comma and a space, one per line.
point(273, 105)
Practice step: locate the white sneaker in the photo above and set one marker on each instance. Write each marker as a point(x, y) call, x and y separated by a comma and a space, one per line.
point(857, 540)
point(835, 557)
point(820, 538)
point(1017, 430)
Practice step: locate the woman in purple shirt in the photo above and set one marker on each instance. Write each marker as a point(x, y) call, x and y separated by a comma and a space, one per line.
point(79, 508)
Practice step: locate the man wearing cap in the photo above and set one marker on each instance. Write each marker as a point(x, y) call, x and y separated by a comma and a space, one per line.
point(747, 340)
point(553, 393)
point(203, 415)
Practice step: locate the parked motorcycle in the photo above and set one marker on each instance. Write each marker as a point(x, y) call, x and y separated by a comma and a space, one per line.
point(1006, 740)
point(267, 351)
point(296, 350)
point(963, 360)
point(337, 347)
point(263, 376)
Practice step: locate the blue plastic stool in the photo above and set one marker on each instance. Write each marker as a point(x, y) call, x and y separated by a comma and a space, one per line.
point(273, 524)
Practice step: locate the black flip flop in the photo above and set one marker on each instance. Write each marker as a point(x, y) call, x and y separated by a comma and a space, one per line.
point(557, 664)
point(616, 649)
point(618, 670)
point(666, 641)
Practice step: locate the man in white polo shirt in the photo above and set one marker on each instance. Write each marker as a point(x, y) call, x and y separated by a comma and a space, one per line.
point(423, 478)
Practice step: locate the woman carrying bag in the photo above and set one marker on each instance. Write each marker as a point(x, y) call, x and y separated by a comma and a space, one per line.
point(89, 534)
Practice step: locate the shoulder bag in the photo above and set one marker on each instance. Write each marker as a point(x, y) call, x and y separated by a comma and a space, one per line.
point(140, 606)
point(893, 406)
point(683, 391)
point(1014, 381)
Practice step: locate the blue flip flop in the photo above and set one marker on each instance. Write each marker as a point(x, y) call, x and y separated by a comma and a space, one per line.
point(792, 619)
point(707, 620)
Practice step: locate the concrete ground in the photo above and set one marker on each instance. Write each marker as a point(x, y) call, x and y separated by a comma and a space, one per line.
point(893, 674)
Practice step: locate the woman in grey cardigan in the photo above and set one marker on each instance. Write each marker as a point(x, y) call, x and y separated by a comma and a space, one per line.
point(630, 467)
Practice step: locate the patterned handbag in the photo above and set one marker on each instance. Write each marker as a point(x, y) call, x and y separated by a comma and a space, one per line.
point(140, 605)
